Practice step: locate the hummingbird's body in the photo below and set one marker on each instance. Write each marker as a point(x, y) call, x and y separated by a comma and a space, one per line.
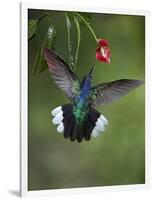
point(81, 102)
point(79, 119)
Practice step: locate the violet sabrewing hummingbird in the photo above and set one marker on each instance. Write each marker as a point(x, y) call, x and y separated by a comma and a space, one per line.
point(79, 119)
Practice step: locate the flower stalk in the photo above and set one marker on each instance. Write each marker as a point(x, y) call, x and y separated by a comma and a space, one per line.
point(91, 30)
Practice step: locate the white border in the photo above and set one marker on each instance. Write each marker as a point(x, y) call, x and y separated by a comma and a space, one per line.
point(24, 99)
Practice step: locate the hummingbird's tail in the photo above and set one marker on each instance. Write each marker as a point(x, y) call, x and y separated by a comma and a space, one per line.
point(93, 125)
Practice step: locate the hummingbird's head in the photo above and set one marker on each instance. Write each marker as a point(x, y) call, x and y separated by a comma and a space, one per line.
point(89, 75)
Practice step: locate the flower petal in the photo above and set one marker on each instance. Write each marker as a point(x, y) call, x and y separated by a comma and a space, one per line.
point(103, 43)
point(103, 51)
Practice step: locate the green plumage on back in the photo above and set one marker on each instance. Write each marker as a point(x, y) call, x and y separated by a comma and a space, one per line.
point(79, 115)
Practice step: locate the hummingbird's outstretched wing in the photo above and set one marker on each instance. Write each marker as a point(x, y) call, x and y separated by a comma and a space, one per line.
point(62, 74)
point(111, 91)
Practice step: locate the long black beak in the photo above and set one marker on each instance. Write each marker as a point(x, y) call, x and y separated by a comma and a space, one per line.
point(91, 70)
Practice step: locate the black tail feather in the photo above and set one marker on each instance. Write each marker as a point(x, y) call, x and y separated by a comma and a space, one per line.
point(88, 128)
point(67, 119)
point(74, 132)
point(78, 132)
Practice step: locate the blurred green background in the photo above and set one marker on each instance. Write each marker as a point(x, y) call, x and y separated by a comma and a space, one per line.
point(117, 157)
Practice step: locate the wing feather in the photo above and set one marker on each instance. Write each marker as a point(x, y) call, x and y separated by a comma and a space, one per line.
point(111, 91)
point(62, 74)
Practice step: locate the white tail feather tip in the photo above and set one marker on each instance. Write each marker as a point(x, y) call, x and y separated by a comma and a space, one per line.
point(104, 120)
point(95, 132)
point(56, 111)
point(100, 125)
point(60, 127)
point(57, 119)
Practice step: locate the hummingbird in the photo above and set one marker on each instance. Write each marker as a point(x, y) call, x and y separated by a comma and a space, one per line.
point(79, 119)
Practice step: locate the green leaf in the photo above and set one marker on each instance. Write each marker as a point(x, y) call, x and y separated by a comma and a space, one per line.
point(38, 60)
point(44, 65)
point(49, 42)
point(32, 26)
point(40, 64)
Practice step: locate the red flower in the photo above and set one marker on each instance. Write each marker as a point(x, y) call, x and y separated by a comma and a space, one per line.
point(103, 51)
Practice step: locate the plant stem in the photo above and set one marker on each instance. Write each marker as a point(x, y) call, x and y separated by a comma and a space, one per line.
point(45, 15)
point(78, 41)
point(94, 35)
